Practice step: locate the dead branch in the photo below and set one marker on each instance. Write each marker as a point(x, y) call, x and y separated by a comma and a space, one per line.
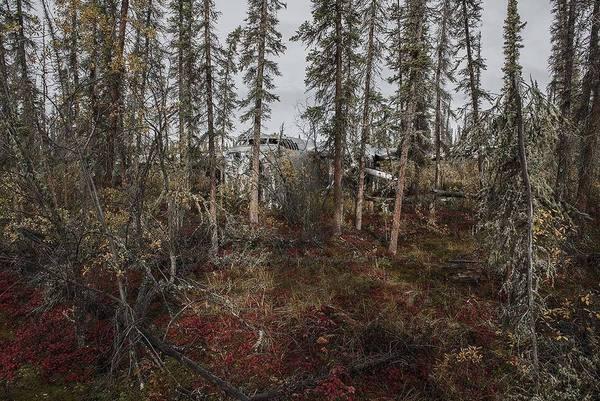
point(299, 383)
point(169, 350)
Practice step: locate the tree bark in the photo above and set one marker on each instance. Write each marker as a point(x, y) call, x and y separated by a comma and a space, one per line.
point(589, 142)
point(366, 117)
point(566, 97)
point(116, 64)
point(438, 95)
point(401, 183)
point(211, 126)
point(28, 117)
point(258, 111)
point(529, 228)
point(474, 87)
point(589, 151)
point(338, 196)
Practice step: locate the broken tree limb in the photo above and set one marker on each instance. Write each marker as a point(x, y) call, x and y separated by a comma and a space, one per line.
point(299, 384)
point(169, 350)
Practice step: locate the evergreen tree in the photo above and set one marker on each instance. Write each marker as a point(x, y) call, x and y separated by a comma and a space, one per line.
point(395, 58)
point(416, 63)
point(226, 96)
point(354, 64)
point(515, 125)
point(518, 193)
point(183, 26)
point(260, 40)
point(20, 50)
point(210, 51)
point(563, 64)
point(374, 13)
point(146, 53)
point(588, 113)
point(444, 74)
point(467, 27)
point(326, 37)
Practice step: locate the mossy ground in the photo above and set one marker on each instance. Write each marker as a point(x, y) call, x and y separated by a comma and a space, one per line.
point(279, 307)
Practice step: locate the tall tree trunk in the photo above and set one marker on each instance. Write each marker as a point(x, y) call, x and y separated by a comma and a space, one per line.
point(258, 110)
point(73, 56)
point(211, 126)
point(338, 196)
point(589, 152)
point(401, 183)
point(184, 87)
point(180, 84)
point(92, 76)
point(474, 88)
point(28, 117)
point(5, 105)
point(589, 142)
point(529, 199)
point(414, 79)
point(116, 91)
point(438, 94)
point(366, 117)
point(566, 97)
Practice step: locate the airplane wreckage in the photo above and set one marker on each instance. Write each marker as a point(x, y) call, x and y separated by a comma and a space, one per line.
point(282, 157)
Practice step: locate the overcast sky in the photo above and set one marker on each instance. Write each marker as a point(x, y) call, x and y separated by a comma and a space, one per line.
point(290, 86)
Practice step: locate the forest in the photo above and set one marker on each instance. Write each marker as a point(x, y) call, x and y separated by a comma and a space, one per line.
point(413, 235)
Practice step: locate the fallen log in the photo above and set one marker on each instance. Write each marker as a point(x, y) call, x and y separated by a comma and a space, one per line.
point(169, 350)
point(299, 384)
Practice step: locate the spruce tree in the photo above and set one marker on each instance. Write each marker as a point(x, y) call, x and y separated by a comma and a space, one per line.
point(588, 113)
point(416, 63)
point(523, 128)
point(147, 51)
point(226, 96)
point(325, 36)
point(260, 40)
point(18, 14)
point(374, 13)
point(183, 26)
point(444, 74)
point(562, 64)
point(515, 124)
point(467, 32)
point(210, 50)
point(395, 58)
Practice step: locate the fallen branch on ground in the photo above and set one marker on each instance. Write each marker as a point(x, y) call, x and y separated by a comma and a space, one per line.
point(299, 384)
point(169, 350)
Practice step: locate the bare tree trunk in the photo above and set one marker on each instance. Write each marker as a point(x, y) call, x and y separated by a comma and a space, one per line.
point(529, 200)
point(258, 110)
point(591, 83)
point(73, 59)
point(566, 96)
point(180, 85)
point(5, 104)
point(338, 196)
point(474, 88)
point(184, 88)
point(27, 90)
point(366, 117)
point(589, 150)
point(115, 62)
point(401, 183)
point(438, 95)
point(211, 127)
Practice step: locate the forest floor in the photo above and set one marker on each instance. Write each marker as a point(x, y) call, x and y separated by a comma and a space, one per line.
point(340, 314)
